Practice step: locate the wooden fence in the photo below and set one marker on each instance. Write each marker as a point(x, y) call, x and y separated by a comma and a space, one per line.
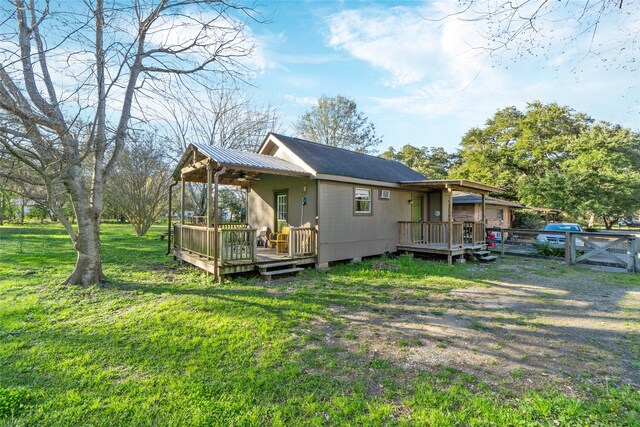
point(600, 248)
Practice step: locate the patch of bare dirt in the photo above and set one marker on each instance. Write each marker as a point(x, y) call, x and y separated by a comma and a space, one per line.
point(525, 330)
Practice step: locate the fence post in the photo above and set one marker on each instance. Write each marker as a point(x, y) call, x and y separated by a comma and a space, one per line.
point(567, 248)
point(635, 254)
point(502, 239)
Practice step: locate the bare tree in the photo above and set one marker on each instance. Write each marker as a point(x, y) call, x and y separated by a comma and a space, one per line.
point(545, 27)
point(68, 98)
point(221, 116)
point(139, 185)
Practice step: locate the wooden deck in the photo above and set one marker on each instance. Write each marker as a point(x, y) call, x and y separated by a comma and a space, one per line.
point(263, 256)
point(440, 249)
point(441, 238)
point(237, 250)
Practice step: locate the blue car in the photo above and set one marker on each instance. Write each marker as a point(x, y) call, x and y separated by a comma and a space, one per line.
point(557, 239)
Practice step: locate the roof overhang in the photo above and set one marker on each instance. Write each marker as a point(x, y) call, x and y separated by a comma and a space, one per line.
point(544, 210)
point(240, 167)
point(453, 184)
point(462, 198)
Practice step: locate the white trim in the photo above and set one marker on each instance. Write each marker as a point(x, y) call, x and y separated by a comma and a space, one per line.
point(299, 162)
point(350, 180)
point(370, 200)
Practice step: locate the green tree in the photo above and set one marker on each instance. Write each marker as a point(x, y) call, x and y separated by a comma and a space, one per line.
point(552, 156)
point(433, 163)
point(599, 177)
point(514, 148)
point(39, 212)
point(8, 208)
point(337, 122)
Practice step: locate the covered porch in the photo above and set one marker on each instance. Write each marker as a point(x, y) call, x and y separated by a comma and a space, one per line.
point(446, 237)
point(222, 248)
point(237, 250)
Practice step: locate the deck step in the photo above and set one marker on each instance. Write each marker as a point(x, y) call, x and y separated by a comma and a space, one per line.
point(481, 253)
point(487, 258)
point(275, 264)
point(269, 274)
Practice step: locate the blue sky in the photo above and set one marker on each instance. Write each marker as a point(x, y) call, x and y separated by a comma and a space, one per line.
point(420, 81)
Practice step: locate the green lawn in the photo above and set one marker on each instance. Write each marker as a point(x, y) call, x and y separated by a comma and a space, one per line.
point(159, 344)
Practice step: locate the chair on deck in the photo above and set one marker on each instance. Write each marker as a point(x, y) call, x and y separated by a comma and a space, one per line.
point(281, 240)
point(263, 237)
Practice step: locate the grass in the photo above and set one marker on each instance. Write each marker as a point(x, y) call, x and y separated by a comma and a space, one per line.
point(158, 344)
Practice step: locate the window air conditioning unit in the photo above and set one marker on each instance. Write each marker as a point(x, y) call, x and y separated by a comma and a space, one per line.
point(385, 194)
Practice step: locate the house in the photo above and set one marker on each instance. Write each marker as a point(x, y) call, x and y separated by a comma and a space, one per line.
point(328, 203)
point(468, 207)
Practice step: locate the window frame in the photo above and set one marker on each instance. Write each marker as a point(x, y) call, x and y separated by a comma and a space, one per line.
point(368, 212)
point(285, 222)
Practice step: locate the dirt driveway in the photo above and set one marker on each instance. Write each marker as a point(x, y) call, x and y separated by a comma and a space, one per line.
point(529, 323)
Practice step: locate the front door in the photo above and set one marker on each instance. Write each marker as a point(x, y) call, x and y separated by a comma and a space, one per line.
point(416, 216)
point(282, 209)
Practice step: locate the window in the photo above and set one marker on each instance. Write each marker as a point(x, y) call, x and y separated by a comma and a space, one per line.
point(501, 214)
point(385, 194)
point(282, 207)
point(362, 201)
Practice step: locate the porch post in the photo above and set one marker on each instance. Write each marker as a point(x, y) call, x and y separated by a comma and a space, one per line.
point(450, 203)
point(484, 218)
point(209, 178)
point(246, 205)
point(216, 232)
point(182, 199)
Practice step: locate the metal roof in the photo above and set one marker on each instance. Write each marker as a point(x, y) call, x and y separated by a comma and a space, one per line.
point(325, 159)
point(229, 157)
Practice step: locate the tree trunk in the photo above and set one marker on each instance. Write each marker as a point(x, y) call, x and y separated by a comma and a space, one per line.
point(88, 269)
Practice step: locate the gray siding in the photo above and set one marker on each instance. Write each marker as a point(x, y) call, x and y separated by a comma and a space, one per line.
point(262, 201)
point(343, 235)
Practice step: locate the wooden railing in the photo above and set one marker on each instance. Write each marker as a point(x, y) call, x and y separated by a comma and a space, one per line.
point(201, 221)
point(191, 238)
point(235, 244)
point(302, 241)
point(226, 225)
point(474, 232)
point(195, 220)
point(430, 233)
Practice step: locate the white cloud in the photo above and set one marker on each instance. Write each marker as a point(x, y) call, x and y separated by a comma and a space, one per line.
point(442, 68)
point(305, 101)
point(395, 40)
